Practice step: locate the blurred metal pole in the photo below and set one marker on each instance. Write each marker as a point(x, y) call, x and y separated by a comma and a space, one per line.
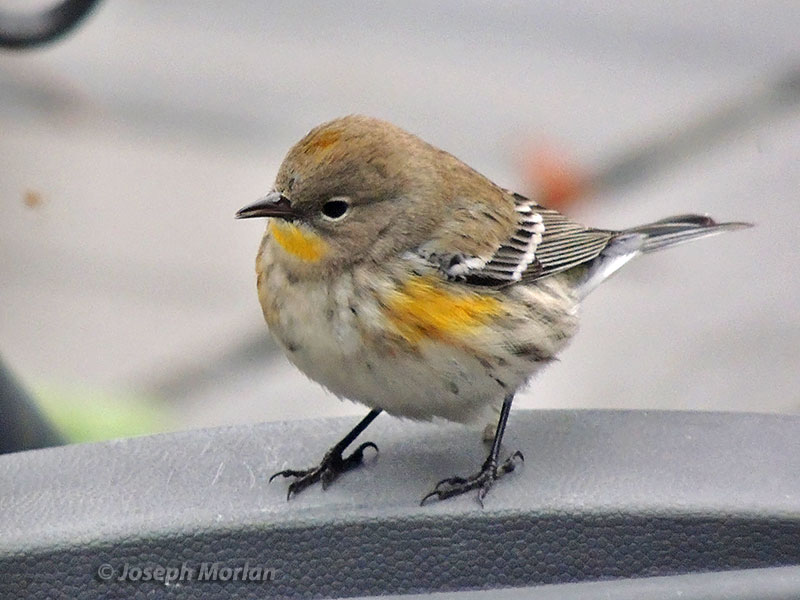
point(22, 426)
point(21, 29)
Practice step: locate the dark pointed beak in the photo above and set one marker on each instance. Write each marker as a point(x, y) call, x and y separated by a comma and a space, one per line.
point(273, 204)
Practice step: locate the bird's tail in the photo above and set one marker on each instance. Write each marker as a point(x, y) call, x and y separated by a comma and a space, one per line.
point(629, 243)
point(677, 230)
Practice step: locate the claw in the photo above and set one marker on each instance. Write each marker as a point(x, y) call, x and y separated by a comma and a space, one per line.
point(366, 445)
point(429, 495)
point(441, 483)
point(299, 485)
point(326, 472)
point(287, 473)
point(482, 481)
point(509, 464)
point(358, 455)
point(450, 481)
point(327, 477)
point(481, 495)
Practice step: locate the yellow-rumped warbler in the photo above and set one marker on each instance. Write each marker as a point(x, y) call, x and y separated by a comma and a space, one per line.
point(397, 276)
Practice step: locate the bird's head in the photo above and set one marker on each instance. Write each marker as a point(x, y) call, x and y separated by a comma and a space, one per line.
point(353, 189)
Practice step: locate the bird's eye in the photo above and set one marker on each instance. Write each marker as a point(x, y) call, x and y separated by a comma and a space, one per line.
point(335, 209)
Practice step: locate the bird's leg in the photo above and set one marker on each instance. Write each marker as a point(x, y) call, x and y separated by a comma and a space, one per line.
point(491, 470)
point(333, 463)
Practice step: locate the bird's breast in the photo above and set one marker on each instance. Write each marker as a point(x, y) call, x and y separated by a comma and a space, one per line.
point(414, 345)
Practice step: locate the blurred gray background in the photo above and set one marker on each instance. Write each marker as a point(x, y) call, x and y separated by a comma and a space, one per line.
point(126, 148)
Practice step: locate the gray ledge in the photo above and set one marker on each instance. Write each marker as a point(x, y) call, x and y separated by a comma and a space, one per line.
point(602, 495)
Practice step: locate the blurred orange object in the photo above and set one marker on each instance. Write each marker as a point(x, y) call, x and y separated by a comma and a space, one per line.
point(558, 182)
point(32, 199)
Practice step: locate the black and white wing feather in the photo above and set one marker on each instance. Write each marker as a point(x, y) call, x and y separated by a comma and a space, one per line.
point(518, 255)
point(545, 242)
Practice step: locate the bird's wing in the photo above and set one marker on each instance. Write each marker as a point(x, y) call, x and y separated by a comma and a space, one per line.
point(543, 243)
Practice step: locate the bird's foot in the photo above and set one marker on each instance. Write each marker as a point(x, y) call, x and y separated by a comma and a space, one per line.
point(332, 465)
point(482, 481)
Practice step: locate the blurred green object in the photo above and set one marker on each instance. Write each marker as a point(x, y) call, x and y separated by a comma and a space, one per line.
point(90, 415)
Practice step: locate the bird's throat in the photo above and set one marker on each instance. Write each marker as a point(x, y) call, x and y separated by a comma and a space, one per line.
point(297, 241)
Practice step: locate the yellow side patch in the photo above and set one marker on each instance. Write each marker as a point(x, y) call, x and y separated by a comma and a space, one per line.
point(298, 242)
point(424, 309)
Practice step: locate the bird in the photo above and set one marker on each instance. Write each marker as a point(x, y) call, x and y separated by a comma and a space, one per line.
point(397, 276)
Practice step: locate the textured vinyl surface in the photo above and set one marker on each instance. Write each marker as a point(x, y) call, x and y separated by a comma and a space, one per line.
point(602, 495)
point(778, 583)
